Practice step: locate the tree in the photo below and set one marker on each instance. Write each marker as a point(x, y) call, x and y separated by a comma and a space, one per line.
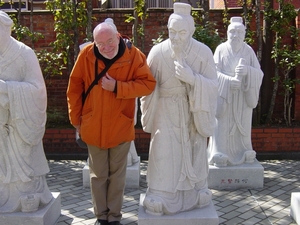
point(285, 57)
point(139, 16)
point(70, 19)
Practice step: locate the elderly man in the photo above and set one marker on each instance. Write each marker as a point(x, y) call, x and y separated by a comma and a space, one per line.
point(180, 115)
point(240, 78)
point(106, 120)
point(23, 103)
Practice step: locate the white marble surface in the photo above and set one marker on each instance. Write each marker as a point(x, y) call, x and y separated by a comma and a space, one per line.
point(23, 103)
point(240, 78)
point(235, 177)
point(295, 206)
point(204, 216)
point(47, 215)
point(180, 115)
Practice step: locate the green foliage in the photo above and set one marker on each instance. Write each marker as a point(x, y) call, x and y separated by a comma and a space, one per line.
point(138, 18)
point(207, 35)
point(158, 40)
point(205, 31)
point(22, 33)
point(50, 62)
point(70, 18)
point(286, 57)
point(57, 118)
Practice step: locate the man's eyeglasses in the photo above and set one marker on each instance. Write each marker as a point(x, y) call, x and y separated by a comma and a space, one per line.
point(108, 42)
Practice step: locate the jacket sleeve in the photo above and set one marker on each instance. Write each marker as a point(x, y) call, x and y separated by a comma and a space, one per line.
point(143, 82)
point(75, 90)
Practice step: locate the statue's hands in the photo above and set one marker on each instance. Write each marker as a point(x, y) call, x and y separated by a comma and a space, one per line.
point(3, 87)
point(184, 74)
point(241, 70)
point(235, 83)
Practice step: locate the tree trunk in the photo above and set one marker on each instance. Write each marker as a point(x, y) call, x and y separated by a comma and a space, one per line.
point(256, 118)
point(75, 39)
point(31, 22)
point(205, 6)
point(89, 32)
point(135, 24)
point(267, 67)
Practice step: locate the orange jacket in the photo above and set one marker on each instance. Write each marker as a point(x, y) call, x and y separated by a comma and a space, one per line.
point(107, 118)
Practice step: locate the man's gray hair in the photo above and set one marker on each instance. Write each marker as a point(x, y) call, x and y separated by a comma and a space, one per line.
point(108, 22)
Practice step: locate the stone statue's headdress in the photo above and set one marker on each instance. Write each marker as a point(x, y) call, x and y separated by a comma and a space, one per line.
point(236, 19)
point(182, 9)
point(5, 19)
point(110, 21)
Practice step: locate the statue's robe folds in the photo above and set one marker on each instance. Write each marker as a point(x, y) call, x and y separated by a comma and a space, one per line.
point(179, 117)
point(23, 164)
point(231, 143)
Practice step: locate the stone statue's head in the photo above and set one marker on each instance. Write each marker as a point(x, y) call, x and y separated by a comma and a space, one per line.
point(236, 31)
point(181, 26)
point(5, 23)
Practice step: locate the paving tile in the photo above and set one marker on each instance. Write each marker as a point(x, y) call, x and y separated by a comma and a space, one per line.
point(269, 205)
point(247, 215)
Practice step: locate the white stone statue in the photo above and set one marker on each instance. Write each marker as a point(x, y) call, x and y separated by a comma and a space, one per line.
point(180, 115)
point(23, 103)
point(240, 78)
point(132, 156)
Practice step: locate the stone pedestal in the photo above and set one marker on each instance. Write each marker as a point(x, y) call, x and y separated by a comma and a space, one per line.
point(236, 177)
point(203, 216)
point(86, 176)
point(295, 206)
point(47, 215)
point(132, 175)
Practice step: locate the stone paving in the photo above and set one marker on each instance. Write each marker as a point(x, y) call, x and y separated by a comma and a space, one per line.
point(269, 205)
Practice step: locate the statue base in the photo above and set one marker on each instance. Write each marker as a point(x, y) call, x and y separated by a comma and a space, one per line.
point(203, 216)
point(132, 175)
point(235, 177)
point(295, 207)
point(47, 215)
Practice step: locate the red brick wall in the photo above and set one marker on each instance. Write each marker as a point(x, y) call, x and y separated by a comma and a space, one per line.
point(264, 140)
point(154, 26)
point(62, 142)
point(276, 139)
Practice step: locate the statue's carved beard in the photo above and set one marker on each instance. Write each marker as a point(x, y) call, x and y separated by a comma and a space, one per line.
point(178, 50)
point(236, 43)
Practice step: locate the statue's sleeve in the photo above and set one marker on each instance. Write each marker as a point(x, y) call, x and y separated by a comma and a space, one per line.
point(149, 102)
point(28, 101)
point(203, 98)
point(253, 82)
point(224, 90)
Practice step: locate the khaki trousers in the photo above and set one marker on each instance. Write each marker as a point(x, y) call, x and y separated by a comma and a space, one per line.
point(108, 176)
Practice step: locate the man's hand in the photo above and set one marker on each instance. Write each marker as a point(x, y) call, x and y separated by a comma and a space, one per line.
point(77, 127)
point(108, 83)
point(184, 74)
